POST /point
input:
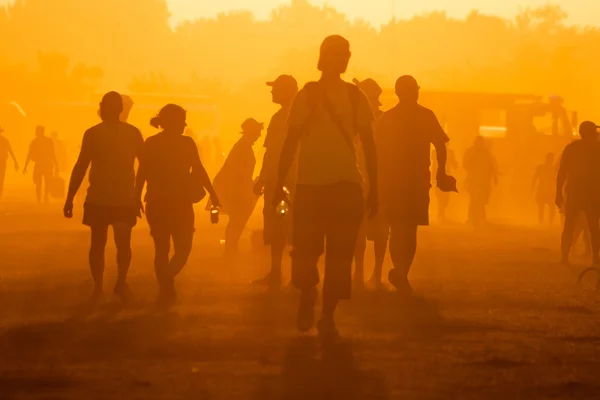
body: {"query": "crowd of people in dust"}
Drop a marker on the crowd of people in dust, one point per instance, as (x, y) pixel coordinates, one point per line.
(345, 171)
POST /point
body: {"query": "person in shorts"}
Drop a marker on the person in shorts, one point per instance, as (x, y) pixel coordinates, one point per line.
(404, 136)
(109, 150)
(276, 227)
(170, 162)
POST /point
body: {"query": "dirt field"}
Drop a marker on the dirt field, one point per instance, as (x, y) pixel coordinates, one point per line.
(494, 318)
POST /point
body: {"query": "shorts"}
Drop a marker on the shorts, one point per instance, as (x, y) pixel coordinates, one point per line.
(40, 174)
(408, 206)
(94, 215)
(170, 219)
(327, 219)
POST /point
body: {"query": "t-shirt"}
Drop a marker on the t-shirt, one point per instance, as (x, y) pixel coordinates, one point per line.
(276, 134)
(325, 156)
(41, 152)
(581, 162)
(167, 161)
(404, 136)
(4, 147)
(112, 148)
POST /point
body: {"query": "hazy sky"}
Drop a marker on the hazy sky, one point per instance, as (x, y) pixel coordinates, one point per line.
(378, 11)
(585, 12)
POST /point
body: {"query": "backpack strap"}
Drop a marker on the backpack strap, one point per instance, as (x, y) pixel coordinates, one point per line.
(316, 95)
(354, 96)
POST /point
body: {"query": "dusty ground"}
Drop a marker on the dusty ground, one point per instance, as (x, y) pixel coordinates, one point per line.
(495, 318)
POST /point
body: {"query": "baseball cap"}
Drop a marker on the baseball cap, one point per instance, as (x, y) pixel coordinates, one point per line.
(371, 88)
(287, 82)
(252, 124)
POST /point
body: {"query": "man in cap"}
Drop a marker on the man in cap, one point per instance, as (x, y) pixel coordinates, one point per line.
(283, 91)
(375, 229)
(404, 138)
(579, 170)
(328, 207)
(110, 148)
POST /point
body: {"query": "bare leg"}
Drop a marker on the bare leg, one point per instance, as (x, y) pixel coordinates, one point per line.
(380, 247)
(96, 257)
(122, 234)
(403, 247)
(593, 220)
(568, 234)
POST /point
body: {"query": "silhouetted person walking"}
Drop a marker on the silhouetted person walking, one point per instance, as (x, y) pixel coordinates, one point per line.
(235, 184)
(110, 150)
(544, 184)
(404, 137)
(578, 176)
(43, 155)
(443, 198)
(5, 152)
(482, 176)
(328, 207)
(276, 227)
(376, 228)
(171, 166)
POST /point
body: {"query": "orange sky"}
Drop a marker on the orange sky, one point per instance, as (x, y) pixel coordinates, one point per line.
(378, 11)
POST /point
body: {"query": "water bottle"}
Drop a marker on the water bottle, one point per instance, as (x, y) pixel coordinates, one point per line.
(214, 215)
(283, 208)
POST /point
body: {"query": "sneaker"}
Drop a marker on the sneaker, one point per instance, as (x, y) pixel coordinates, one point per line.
(96, 298)
(306, 310)
(167, 296)
(326, 328)
(122, 291)
(400, 282)
(375, 282)
(271, 281)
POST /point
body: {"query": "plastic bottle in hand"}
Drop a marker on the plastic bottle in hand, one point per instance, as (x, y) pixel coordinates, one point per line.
(283, 208)
(214, 215)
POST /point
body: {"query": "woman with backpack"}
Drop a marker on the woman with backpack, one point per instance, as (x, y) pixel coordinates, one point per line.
(176, 179)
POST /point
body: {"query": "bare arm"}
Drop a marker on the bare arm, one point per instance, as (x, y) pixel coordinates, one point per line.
(368, 145)
(80, 168)
(288, 152)
(140, 181)
(12, 155)
(199, 169)
(78, 174)
(442, 157)
(561, 179)
(27, 160)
